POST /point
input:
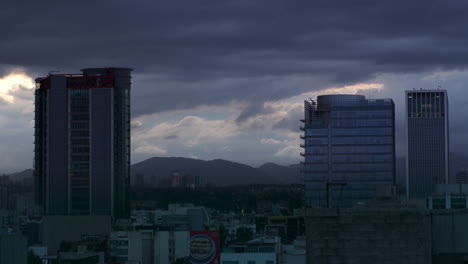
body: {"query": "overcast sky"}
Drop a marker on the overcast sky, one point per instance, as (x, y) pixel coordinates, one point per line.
(227, 79)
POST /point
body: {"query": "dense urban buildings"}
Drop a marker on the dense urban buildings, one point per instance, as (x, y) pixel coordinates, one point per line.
(349, 149)
(82, 143)
(427, 141)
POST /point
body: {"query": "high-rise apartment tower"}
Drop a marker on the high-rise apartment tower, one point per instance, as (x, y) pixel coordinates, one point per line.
(82, 143)
(349, 149)
(427, 141)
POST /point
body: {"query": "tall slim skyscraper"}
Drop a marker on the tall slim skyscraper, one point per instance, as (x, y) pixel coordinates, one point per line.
(349, 149)
(82, 143)
(427, 141)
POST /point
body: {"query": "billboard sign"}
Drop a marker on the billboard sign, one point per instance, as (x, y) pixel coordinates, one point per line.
(204, 247)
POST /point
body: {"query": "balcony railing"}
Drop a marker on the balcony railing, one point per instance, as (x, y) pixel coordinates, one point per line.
(78, 81)
(87, 82)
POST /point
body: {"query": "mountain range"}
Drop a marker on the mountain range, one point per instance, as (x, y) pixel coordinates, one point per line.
(220, 172)
(216, 172)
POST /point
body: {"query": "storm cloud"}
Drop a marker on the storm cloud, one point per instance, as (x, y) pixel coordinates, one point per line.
(240, 56)
(213, 52)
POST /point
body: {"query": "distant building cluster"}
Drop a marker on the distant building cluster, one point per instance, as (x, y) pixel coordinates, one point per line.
(176, 179)
(169, 234)
(78, 210)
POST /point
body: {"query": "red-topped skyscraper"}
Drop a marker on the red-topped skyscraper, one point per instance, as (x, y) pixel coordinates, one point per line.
(82, 143)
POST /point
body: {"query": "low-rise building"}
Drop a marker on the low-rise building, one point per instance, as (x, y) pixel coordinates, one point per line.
(72, 228)
(232, 228)
(447, 196)
(449, 236)
(81, 257)
(294, 253)
(171, 245)
(148, 246)
(13, 247)
(258, 251)
(126, 246)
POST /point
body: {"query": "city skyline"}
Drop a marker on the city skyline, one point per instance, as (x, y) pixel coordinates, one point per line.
(233, 132)
(227, 80)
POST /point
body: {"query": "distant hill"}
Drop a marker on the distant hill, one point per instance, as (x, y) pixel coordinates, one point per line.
(282, 174)
(20, 176)
(215, 172)
(223, 173)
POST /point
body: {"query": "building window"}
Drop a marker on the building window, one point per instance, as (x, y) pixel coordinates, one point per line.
(251, 262)
(251, 250)
(459, 203)
(438, 203)
(269, 262)
(266, 249)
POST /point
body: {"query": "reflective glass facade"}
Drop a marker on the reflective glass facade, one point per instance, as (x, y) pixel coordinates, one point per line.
(427, 141)
(349, 144)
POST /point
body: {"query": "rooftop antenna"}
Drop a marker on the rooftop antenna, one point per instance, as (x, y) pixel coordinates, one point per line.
(311, 99)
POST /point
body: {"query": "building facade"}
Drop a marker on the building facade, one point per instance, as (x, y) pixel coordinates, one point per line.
(369, 234)
(13, 247)
(262, 250)
(427, 141)
(462, 176)
(148, 246)
(349, 149)
(82, 143)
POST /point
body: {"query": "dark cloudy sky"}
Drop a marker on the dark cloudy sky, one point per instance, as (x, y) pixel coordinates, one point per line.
(226, 79)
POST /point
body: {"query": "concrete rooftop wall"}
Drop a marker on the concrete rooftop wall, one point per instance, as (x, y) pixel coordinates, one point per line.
(366, 235)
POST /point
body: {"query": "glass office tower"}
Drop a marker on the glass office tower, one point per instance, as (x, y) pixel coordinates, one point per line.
(82, 143)
(427, 141)
(349, 149)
